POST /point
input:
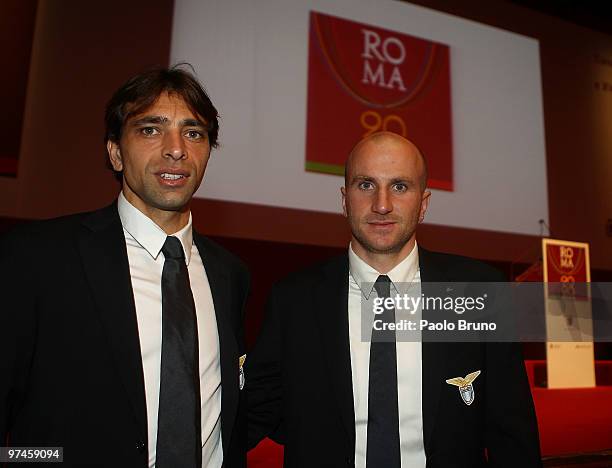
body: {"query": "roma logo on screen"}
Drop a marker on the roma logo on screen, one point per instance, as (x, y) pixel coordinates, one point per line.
(363, 79)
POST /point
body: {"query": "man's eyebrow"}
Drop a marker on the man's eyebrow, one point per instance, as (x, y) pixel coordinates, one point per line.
(193, 123)
(150, 119)
(160, 120)
(403, 180)
(363, 177)
(396, 180)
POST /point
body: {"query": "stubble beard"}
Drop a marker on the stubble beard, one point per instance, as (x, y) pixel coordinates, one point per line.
(169, 201)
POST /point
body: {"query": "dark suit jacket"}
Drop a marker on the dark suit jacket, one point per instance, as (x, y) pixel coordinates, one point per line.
(71, 368)
(299, 387)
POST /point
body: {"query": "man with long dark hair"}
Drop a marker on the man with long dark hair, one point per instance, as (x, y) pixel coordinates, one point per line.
(121, 330)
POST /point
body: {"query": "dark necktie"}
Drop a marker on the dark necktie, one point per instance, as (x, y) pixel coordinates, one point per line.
(383, 450)
(178, 425)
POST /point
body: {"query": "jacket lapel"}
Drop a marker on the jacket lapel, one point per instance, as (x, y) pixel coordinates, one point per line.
(331, 305)
(220, 287)
(105, 262)
(433, 354)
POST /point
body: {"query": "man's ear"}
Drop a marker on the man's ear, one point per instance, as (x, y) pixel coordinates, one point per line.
(343, 192)
(424, 205)
(114, 155)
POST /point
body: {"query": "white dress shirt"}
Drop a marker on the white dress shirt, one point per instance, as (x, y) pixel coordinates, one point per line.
(409, 373)
(144, 240)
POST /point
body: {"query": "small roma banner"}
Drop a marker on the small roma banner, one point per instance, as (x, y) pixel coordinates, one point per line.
(566, 261)
(363, 79)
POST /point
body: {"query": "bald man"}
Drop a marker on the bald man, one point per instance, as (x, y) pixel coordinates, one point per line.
(335, 399)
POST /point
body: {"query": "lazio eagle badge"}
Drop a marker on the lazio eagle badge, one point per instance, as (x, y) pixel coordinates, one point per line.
(241, 360)
(466, 389)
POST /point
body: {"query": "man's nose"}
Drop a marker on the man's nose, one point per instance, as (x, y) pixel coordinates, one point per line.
(174, 145)
(382, 202)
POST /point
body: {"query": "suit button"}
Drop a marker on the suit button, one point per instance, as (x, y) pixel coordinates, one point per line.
(140, 446)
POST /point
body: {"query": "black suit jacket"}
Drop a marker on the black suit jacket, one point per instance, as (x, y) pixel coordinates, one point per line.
(70, 361)
(299, 384)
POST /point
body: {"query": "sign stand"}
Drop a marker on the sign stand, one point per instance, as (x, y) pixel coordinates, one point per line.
(570, 357)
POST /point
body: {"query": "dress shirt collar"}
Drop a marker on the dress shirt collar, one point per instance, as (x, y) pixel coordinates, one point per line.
(362, 273)
(148, 234)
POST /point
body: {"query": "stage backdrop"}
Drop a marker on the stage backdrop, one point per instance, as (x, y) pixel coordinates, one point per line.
(297, 82)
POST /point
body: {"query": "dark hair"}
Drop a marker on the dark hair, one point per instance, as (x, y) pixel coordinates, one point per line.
(141, 91)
